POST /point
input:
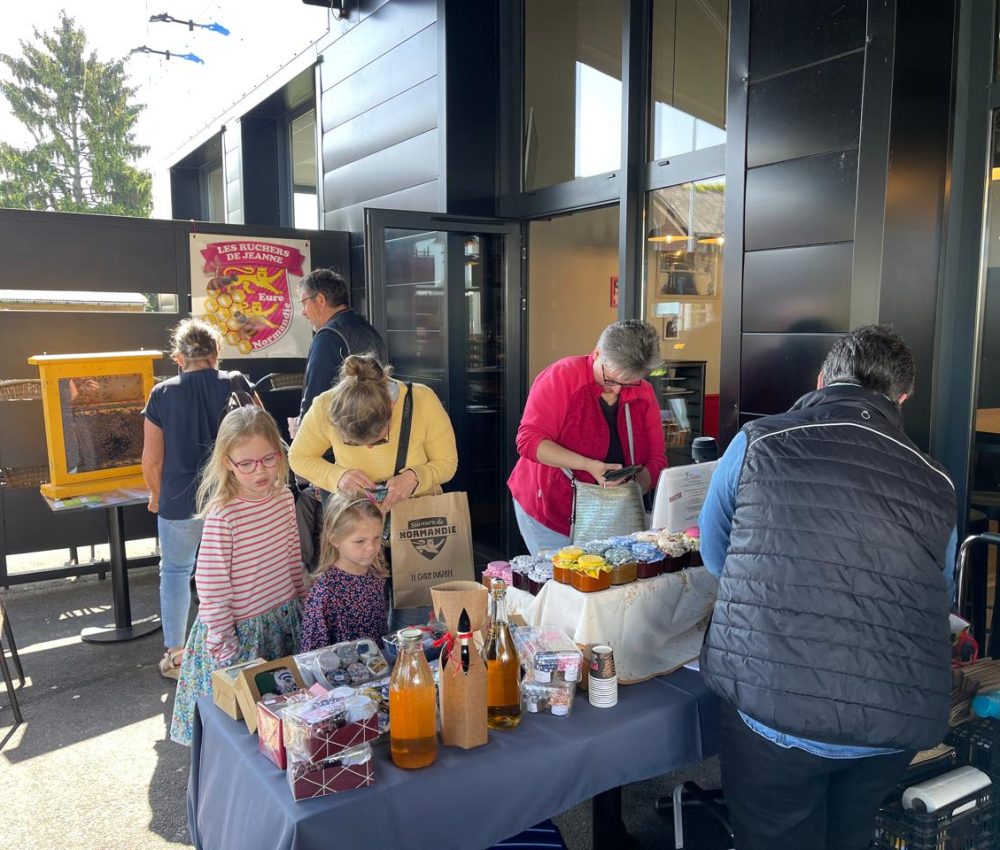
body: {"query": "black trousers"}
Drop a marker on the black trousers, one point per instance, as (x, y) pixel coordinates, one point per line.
(787, 799)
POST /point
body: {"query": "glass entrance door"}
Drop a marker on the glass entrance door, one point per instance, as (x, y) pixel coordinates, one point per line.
(445, 293)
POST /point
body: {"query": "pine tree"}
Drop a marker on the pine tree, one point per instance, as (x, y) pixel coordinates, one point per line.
(81, 115)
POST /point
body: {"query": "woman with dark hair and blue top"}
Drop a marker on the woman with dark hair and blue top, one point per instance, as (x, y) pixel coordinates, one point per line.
(181, 422)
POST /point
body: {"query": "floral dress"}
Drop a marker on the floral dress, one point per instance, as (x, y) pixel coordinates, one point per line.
(273, 634)
(343, 606)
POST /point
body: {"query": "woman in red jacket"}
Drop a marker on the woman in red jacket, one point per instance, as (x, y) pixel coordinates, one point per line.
(575, 418)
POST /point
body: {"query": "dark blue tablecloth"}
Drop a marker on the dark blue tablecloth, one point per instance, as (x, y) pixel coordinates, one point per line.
(238, 800)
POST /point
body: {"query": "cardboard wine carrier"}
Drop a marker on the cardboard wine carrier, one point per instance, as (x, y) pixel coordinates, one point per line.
(463, 694)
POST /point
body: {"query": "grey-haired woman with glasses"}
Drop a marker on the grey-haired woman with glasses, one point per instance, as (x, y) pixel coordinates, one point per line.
(577, 417)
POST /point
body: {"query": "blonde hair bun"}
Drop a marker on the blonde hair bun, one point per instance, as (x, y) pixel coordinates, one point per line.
(364, 367)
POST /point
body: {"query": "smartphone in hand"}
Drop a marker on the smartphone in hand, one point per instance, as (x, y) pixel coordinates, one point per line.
(623, 473)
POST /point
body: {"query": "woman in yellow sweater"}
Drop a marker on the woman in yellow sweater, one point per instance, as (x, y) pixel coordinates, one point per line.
(360, 419)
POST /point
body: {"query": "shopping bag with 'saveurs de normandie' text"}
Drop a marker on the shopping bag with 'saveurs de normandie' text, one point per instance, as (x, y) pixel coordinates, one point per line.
(430, 542)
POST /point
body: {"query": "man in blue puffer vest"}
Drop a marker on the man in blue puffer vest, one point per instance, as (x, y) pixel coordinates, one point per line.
(833, 538)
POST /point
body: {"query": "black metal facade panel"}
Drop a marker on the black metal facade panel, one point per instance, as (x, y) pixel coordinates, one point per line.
(423, 197)
(332, 251)
(777, 369)
(801, 202)
(261, 183)
(26, 333)
(45, 250)
(809, 111)
(401, 166)
(798, 290)
(916, 192)
(360, 45)
(787, 34)
(471, 45)
(402, 117)
(400, 68)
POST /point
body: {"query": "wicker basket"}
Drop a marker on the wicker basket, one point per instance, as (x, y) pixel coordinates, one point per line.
(21, 389)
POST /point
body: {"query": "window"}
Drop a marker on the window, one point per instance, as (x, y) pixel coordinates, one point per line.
(302, 147)
(572, 89)
(688, 87)
(214, 193)
(683, 285)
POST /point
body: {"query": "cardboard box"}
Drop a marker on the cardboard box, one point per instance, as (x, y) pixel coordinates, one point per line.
(271, 728)
(343, 772)
(280, 676)
(321, 728)
(224, 684)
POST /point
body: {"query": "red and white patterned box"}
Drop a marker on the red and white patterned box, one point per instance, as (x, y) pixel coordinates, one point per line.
(346, 771)
(270, 727)
(321, 728)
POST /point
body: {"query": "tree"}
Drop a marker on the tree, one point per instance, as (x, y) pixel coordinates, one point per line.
(81, 116)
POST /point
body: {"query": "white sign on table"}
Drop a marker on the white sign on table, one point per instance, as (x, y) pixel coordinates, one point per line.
(680, 493)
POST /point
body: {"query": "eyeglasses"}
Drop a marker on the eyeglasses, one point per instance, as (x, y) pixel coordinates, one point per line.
(249, 467)
(302, 301)
(609, 383)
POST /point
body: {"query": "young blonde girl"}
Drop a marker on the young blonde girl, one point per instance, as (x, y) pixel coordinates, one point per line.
(347, 597)
(249, 577)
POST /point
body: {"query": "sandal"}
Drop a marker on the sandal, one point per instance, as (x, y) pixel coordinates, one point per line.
(170, 663)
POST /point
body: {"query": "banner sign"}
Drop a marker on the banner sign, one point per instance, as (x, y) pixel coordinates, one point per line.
(248, 288)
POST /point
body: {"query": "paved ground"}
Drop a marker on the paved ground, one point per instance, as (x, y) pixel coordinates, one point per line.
(92, 768)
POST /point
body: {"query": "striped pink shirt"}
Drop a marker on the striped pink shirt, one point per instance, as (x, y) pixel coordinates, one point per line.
(249, 563)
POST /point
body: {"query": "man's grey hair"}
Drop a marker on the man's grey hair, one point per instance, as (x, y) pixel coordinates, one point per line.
(327, 283)
(631, 348)
(874, 356)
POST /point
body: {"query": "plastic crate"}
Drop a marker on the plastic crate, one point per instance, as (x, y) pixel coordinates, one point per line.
(977, 742)
(967, 824)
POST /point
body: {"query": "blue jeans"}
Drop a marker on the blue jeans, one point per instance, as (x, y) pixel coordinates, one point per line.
(535, 535)
(179, 539)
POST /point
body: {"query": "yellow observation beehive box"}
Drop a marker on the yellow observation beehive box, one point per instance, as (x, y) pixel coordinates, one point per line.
(93, 419)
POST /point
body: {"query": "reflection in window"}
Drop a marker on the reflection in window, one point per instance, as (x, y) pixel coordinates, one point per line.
(598, 109)
(305, 208)
(683, 286)
(572, 89)
(215, 194)
(986, 448)
(690, 42)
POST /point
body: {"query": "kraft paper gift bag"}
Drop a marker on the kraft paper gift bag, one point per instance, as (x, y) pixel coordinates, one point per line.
(463, 692)
(430, 542)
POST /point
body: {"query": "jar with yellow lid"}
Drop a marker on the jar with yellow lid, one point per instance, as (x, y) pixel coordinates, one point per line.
(592, 573)
(564, 562)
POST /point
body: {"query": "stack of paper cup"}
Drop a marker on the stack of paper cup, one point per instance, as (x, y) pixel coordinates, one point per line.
(603, 680)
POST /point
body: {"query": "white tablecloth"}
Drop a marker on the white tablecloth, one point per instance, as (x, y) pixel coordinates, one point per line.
(654, 625)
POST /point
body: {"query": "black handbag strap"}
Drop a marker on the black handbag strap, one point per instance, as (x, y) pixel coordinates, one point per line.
(404, 429)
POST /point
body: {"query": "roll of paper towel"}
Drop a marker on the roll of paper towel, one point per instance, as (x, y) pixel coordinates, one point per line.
(945, 789)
